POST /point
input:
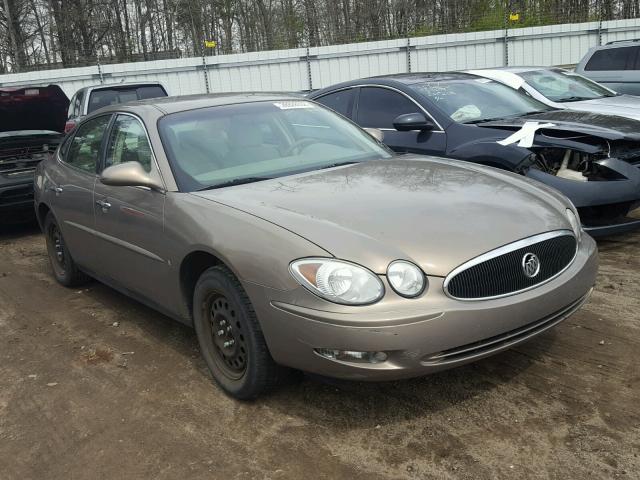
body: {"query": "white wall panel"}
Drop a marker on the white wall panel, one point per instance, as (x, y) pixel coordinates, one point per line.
(284, 70)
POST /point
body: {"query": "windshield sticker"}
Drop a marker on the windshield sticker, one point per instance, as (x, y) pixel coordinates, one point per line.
(291, 104)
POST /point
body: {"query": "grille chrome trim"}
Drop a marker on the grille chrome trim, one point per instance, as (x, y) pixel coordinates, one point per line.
(525, 242)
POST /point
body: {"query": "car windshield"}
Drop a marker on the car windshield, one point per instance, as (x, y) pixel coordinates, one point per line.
(563, 86)
(227, 145)
(475, 100)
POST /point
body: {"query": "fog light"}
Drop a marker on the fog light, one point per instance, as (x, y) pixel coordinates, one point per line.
(351, 355)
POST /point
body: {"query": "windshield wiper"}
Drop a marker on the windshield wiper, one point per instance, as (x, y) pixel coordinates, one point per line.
(339, 164)
(574, 99)
(235, 181)
(483, 120)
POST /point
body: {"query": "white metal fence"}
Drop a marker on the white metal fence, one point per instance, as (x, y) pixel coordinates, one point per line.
(305, 69)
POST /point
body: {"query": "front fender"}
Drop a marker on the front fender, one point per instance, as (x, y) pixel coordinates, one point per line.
(489, 152)
(588, 194)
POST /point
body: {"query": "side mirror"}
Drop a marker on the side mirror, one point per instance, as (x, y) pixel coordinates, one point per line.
(412, 121)
(129, 174)
(375, 133)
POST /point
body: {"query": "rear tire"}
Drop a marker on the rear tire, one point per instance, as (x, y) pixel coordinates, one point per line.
(230, 337)
(64, 268)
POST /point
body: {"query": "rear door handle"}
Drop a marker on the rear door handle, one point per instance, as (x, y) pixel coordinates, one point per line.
(56, 190)
(104, 205)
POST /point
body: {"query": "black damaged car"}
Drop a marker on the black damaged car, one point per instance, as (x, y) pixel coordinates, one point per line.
(31, 124)
(593, 159)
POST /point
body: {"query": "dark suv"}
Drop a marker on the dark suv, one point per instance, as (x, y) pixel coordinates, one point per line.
(32, 120)
(89, 99)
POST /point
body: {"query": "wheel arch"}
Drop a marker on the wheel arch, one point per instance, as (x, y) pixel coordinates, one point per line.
(41, 213)
(192, 267)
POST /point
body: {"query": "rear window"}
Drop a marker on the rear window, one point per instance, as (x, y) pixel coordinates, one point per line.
(623, 58)
(112, 96)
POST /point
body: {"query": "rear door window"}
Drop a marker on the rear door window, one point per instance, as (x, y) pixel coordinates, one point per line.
(84, 148)
(379, 107)
(340, 101)
(623, 58)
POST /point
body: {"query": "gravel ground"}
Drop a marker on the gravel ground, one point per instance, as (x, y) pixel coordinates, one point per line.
(94, 385)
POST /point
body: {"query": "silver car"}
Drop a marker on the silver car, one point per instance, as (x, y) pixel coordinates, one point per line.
(559, 88)
(613, 65)
(292, 239)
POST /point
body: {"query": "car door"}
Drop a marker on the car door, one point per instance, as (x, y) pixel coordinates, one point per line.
(70, 183)
(129, 220)
(378, 107)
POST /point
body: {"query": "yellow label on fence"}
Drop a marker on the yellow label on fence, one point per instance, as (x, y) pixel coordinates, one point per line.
(514, 17)
(210, 43)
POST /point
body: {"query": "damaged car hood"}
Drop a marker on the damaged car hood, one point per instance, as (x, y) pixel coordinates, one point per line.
(568, 123)
(33, 108)
(438, 213)
(622, 105)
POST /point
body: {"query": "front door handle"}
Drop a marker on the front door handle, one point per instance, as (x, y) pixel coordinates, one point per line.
(56, 190)
(104, 205)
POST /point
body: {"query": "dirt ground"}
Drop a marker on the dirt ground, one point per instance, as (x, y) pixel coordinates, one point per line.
(96, 386)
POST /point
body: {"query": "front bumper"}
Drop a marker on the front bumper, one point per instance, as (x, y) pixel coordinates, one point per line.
(420, 336)
(604, 206)
(16, 198)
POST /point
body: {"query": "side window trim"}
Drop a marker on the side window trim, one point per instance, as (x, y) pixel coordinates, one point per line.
(100, 151)
(387, 87)
(103, 150)
(80, 103)
(155, 164)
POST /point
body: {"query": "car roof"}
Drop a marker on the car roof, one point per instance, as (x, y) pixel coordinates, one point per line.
(516, 70)
(397, 80)
(420, 77)
(169, 105)
(619, 43)
(106, 86)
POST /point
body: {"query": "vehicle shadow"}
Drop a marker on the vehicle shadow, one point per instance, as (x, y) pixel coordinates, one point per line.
(12, 231)
(343, 404)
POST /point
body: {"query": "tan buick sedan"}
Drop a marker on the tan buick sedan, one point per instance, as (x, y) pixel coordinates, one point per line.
(292, 239)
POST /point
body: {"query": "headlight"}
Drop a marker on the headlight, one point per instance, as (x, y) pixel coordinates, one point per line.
(338, 281)
(406, 278)
(574, 220)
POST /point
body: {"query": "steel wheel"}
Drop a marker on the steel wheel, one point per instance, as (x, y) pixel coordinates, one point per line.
(64, 267)
(57, 249)
(230, 337)
(227, 336)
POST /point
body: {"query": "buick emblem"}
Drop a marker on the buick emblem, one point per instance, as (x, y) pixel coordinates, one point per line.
(530, 265)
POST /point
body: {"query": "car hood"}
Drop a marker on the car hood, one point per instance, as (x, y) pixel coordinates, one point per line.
(568, 122)
(621, 105)
(33, 108)
(438, 213)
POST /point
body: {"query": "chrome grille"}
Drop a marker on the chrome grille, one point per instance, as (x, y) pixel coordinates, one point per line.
(500, 272)
(24, 154)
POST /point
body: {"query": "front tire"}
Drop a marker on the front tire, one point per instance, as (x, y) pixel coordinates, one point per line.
(64, 268)
(230, 337)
